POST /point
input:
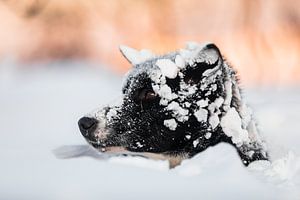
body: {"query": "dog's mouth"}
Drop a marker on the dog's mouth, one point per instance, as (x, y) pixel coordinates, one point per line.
(173, 160)
(114, 149)
(106, 145)
(111, 147)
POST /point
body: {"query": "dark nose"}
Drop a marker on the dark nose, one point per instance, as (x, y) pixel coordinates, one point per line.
(87, 126)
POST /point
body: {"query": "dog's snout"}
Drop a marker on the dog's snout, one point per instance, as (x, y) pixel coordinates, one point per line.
(87, 125)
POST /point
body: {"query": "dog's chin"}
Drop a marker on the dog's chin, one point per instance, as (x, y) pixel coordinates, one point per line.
(173, 160)
(114, 150)
(104, 147)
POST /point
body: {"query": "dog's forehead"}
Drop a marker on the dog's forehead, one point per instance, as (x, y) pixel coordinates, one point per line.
(143, 71)
(170, 64)
(149, 66)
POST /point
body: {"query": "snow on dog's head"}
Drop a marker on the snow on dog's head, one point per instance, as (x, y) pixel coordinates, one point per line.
(175, 106)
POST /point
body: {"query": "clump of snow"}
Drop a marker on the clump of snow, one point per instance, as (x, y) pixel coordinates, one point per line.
(214, 87)
(201, 115)
(207, 135)
(214, 120)
(179, 62)
(208, 93)
(165, 92)
(202, 103)
(187, 104)
(134, 56)
(195, 143)
(186, 90)
(168, 68)
(161, 88)
(245, 113)
(248, 123)
(214, 110)
(178, 112)
(232, 126)
(218, 102)
(171, 124)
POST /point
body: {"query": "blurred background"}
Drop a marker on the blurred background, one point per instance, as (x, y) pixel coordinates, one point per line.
(259, 37)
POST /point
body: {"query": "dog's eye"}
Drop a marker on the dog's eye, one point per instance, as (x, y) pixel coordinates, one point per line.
(149, 95)
(145, 96)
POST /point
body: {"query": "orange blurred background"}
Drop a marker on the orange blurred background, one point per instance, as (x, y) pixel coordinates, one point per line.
(261, 38)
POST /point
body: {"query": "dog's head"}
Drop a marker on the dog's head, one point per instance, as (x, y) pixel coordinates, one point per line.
(171, 105)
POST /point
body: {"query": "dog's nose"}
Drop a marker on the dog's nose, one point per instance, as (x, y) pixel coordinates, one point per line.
(87, 125)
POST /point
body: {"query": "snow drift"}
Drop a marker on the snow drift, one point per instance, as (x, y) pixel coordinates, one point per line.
(39, 112)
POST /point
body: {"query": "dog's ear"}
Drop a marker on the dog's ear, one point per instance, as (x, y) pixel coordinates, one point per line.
(135, 56)
(209, 58)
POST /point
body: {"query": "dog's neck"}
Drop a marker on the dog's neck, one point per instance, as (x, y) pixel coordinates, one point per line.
(236, 124)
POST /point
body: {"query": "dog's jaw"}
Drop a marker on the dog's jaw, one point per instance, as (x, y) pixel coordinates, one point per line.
(173, 160)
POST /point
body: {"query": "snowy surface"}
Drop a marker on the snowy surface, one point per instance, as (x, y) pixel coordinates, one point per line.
(39, 109)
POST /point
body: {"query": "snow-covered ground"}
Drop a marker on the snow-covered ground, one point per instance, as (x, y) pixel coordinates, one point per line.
(39, 109)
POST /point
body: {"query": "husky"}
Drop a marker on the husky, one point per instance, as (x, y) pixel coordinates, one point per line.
(175, 106)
